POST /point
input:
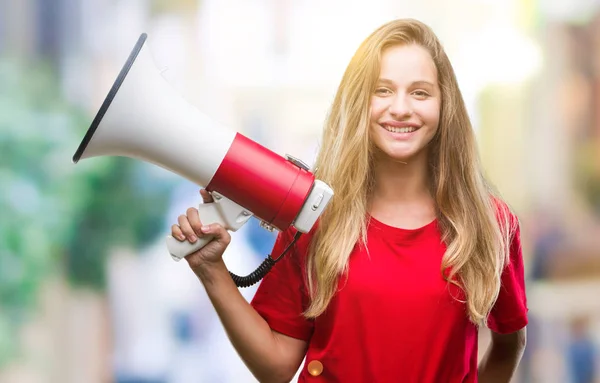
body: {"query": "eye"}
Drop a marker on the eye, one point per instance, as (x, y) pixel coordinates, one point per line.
(383, 91)
(421, 94)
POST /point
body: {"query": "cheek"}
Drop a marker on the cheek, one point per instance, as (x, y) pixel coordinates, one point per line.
(432, 116)
(377, 108)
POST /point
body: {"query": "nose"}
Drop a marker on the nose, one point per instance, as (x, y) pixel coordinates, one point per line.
(400, 106)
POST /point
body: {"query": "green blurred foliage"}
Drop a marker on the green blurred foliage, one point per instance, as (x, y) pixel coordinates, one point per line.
(34, 132)
(117, 206)
(57, 217)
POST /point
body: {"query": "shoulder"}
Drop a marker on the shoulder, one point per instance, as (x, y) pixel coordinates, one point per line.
(507, 218)
(510, 231)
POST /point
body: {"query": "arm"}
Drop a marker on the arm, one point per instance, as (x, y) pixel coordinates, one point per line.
(502, 358)
(508, 319)
(269, 355)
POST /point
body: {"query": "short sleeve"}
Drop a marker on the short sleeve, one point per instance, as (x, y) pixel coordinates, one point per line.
(281, 297)
(509, 313)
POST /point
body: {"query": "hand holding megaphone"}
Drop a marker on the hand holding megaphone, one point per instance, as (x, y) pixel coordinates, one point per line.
(212, 239)
(143, 117)
(215, 209)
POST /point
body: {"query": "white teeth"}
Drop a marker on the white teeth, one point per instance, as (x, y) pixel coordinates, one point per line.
(400, 130)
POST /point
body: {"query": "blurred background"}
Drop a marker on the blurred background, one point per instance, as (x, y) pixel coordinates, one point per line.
(88, 292)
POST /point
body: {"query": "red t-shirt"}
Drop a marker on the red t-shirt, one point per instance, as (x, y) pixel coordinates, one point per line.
(394, 318)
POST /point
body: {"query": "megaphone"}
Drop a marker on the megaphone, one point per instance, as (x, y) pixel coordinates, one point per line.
(144, 118)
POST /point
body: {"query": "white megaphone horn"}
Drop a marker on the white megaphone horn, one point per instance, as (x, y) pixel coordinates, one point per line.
(143, 117)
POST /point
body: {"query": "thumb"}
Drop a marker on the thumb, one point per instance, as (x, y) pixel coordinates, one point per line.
(206, 197)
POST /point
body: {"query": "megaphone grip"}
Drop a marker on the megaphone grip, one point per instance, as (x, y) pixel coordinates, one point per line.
(222, 211)
(179, 249)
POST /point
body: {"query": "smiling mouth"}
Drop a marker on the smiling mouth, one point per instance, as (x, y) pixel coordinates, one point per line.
(392, 129)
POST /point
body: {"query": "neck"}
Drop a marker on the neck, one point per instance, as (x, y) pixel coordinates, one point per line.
(401, 192)
(397, 181)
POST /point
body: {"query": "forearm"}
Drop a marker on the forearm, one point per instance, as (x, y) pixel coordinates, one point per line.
(248, 332)
(499, 363)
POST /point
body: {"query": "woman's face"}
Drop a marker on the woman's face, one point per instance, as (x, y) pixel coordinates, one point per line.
(405, 107)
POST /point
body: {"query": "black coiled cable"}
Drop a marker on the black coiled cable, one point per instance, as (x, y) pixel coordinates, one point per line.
(262, 270)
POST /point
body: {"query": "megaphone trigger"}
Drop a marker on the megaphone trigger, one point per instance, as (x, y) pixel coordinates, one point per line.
(223, 211)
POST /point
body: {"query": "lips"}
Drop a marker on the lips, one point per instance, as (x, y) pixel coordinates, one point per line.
(399, 130)
(397, 127)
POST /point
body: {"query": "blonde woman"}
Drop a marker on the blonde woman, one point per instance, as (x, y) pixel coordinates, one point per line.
(412, 256)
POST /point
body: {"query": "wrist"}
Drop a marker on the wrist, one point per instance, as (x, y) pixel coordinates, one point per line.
(211, 272)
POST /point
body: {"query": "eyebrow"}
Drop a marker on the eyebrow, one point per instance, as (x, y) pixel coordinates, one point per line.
(414, 83)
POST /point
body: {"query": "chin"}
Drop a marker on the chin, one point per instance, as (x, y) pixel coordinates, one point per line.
(404, 153)
(395, 157)
(400, 155)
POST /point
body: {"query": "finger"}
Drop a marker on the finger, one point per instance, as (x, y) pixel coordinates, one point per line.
(186, 228)
(177, 233)
(206, 197)
(194, 220)
(218, 231)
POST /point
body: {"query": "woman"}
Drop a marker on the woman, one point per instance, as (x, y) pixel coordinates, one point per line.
(413, 253)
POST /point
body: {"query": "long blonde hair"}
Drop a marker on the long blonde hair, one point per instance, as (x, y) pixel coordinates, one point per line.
(474, 226)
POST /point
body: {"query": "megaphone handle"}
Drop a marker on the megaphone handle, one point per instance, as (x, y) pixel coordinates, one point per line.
(222, 211)
(179, 249)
